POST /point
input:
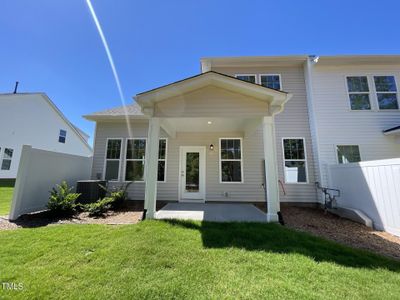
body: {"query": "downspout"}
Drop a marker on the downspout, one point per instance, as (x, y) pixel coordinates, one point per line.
(308, 78)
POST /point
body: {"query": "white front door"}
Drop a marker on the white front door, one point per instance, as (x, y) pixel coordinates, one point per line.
(192, 173)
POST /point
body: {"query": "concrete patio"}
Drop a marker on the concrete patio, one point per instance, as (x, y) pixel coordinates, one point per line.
(216, 212)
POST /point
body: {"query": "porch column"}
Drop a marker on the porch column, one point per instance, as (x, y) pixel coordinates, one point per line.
(151, 167)
(271, 169)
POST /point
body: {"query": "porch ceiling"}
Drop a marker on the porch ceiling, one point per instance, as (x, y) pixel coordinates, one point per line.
(211, 124)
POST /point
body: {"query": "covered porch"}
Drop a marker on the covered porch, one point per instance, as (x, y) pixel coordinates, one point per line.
(211, 103)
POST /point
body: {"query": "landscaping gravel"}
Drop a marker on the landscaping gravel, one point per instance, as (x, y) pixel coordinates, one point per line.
(332, 227)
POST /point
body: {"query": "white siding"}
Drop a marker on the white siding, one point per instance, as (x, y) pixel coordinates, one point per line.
(250, 190)
(29, 119)
(338, 125)
(292, 122)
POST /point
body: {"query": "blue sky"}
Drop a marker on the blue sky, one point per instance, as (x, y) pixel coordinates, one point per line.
(53, 46)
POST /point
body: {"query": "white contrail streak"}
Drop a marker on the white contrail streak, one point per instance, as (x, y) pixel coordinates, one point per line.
(105, 44)
(110, 59)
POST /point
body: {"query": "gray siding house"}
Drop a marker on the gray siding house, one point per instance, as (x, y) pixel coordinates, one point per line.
(245, 129)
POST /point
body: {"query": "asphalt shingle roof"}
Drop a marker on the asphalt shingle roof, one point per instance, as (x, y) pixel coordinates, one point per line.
(131, 109)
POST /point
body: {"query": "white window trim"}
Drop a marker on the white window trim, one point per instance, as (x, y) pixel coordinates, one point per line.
(279, 75)
(366, 93)
(241, 160)
(244, 74)
(2, 154)
(65, 137)
(125, 160)
(305, 159)
(144, 172)
(165, 159)
(346, 144)
(373, 98)
(375, 92)
(114, 159)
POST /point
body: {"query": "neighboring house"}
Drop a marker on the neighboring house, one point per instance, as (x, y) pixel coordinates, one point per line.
(33, 119)
(246, 121)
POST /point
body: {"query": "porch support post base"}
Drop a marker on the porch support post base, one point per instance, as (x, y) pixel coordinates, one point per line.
(151, 167)
(271, 169)
(272, 218)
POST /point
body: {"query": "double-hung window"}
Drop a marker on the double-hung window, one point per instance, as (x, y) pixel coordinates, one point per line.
(231, 160)
(272, 81)
(135, 159)
(62, 136)
(113, 158)
(358, 89)
(247, 77)
(7, 157)
(294, 156)
(348, 153)
(386, 92)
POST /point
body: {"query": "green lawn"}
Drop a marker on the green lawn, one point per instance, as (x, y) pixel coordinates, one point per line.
(185, 260)
(6, 192)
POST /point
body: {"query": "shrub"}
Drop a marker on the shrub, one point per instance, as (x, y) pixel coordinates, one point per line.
(100, 207)
(118, 194)
(62, 202)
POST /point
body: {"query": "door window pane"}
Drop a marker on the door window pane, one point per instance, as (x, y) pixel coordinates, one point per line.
(192, 171)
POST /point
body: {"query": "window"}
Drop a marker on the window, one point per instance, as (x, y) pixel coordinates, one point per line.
(162, 158)
(386, 92)
(294, 156)
(272, 81)
(62, 136)
(7, 156)
(358, 89)
(348, 154)
(113, 156)
(247, 77)
(136, 158)
(231, 160)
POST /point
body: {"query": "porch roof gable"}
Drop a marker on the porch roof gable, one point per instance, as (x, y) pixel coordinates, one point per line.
(271, 96)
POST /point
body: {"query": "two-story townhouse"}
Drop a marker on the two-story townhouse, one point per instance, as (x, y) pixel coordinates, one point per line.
(246, 129)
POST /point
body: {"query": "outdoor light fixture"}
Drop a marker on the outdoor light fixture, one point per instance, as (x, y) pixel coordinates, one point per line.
(209, 122)
(211, 147)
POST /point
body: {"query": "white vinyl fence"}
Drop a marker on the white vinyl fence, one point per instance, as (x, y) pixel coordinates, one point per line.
(372, 187)
(38, 172)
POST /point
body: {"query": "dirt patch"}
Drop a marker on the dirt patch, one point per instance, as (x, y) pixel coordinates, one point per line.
(344, 231)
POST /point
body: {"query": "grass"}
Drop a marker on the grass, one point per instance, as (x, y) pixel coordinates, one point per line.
(6, 192)
(188, 260)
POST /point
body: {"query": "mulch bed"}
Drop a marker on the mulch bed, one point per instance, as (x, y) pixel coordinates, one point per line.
(124, 216)
(131, 214)
(332, 227)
